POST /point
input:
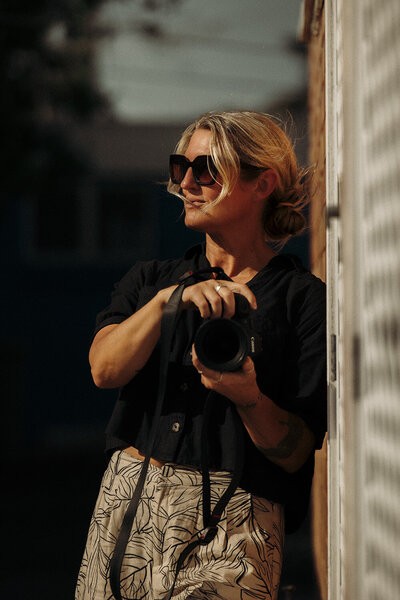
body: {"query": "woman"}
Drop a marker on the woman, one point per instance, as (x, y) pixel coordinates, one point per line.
(238, 178)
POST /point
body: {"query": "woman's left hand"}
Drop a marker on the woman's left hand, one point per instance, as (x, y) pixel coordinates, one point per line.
(238, 386)
(280, 436)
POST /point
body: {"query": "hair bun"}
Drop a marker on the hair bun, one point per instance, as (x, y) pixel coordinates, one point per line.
(284, 221)
(283, 216)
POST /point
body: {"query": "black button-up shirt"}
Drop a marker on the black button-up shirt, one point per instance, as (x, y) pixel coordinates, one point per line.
(291, 370)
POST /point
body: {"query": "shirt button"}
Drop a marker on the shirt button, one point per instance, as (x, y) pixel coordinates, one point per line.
(184, 387)
(176, 427)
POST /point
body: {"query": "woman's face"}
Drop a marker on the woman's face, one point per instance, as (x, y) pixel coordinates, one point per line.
(232, 210)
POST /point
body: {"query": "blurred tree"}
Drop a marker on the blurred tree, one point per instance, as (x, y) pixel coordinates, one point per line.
(48, 80)
(46, 69)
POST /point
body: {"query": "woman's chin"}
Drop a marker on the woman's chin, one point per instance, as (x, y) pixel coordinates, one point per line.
(194, 219)
(191, 224)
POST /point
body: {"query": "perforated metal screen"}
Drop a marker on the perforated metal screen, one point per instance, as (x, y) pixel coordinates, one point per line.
(363, 150)
(380, 277)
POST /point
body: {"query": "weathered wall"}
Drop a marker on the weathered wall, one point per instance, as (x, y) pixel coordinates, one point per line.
(316, 102)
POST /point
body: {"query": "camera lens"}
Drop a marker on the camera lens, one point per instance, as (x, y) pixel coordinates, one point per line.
(221, 344)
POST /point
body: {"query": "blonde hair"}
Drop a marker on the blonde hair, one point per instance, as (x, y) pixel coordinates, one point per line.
(243, 144)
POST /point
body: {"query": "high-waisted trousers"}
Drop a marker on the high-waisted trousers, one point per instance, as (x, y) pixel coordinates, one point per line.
(242, 562)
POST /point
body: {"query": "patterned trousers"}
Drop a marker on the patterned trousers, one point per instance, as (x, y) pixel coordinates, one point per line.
(243, 561)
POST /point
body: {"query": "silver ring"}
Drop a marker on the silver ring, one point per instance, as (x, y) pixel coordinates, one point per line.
(201, 372)
(218, 287)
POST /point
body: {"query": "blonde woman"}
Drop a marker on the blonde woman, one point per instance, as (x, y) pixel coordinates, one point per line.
(233, 454)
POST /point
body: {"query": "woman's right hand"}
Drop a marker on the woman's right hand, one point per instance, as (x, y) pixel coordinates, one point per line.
(118, 352)
(215, 298)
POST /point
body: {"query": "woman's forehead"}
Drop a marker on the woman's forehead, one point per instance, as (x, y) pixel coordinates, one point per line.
(199, 143)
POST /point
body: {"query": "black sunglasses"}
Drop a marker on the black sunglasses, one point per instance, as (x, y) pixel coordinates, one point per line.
(203, 167)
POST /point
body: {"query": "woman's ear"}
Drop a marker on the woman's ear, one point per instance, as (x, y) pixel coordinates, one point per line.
(266, 183)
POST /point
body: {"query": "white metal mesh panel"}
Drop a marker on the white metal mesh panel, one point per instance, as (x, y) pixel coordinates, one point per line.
(363, 154)
(380, 279)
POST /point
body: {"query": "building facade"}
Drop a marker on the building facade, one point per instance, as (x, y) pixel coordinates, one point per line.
(354, 53)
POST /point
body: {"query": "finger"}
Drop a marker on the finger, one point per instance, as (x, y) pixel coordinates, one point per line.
(204, 297)
(215, 302)
(228, 306)
(200, 368)
(193, 296)
(248, 294)
(195, 360)
(207, 374)
(238, 289)
(248, 365)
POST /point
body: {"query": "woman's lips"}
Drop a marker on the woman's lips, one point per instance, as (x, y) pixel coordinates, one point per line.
(194, 203)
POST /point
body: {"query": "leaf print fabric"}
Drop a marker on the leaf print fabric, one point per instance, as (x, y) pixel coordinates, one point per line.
(243, 562)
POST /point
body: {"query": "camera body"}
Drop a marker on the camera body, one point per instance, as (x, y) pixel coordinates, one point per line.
(223, 344)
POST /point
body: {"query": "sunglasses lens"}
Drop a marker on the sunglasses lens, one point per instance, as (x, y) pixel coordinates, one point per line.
(177, 168)
(203, 168)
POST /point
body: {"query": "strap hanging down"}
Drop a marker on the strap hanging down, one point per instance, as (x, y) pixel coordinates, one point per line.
(211, 519)
(168, 323)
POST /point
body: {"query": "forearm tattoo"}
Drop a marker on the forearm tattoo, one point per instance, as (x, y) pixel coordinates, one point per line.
(290, 442)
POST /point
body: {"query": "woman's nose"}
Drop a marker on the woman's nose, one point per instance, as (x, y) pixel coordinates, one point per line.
(188, 181)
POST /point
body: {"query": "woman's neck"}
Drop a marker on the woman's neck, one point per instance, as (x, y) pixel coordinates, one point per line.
(240, 259)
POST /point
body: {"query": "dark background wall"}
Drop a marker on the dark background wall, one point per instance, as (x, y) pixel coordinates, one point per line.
(53, 416)
(93, 205)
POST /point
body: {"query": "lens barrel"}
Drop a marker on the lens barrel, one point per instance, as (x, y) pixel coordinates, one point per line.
(222, 344)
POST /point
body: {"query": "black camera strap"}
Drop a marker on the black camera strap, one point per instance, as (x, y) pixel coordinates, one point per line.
(211, 519)
(168, 324)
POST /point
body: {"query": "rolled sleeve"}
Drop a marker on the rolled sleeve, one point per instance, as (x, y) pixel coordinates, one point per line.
(304, 384)
(124, 299)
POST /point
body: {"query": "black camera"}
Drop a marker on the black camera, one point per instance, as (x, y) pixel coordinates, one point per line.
(223, 344)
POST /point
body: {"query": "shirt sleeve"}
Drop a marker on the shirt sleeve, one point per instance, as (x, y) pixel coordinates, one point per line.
(304, 383)
(124, 299)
